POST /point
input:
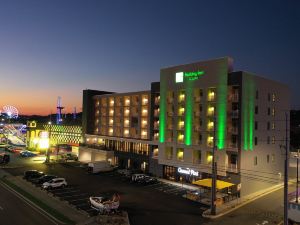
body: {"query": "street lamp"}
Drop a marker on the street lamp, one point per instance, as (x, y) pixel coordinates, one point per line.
(48, 149)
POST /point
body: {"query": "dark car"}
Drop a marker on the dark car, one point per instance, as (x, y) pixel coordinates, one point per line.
(44, 179)
(27, 154)
(145, 180)
(70, 156)
(33, 174)
(4, 158)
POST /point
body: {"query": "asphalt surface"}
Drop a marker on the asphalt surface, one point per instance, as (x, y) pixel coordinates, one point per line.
(15, 211)
(146, 205)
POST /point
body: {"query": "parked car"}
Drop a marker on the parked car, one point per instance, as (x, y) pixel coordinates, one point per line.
(70, 156)
(33, 174)
(44, 179)
(55, 183)
(137, 176)
(27, 154)
(147, 180)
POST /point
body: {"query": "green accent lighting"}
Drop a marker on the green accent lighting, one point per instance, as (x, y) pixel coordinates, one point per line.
(189, 111)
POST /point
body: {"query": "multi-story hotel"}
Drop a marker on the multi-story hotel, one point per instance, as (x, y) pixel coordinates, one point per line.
(171, 129)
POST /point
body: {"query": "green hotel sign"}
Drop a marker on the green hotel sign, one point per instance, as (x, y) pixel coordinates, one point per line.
(194, 75)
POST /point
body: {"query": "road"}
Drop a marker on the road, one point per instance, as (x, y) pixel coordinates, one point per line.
(15, 211)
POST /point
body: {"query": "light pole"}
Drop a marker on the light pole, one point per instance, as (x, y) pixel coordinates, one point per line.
(297, 195)
(214, 174)
(48, 149)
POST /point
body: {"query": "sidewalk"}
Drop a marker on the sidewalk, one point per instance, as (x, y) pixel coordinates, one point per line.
(181, 185)
(237, 203)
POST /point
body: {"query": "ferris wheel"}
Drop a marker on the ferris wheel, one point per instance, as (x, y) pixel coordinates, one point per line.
(10, 111)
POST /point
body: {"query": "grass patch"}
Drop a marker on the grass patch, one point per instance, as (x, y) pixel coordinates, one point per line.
(38, 202)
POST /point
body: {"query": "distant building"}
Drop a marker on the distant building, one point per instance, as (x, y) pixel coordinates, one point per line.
(169, 130)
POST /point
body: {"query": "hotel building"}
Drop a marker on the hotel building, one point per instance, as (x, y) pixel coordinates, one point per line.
(170, 130)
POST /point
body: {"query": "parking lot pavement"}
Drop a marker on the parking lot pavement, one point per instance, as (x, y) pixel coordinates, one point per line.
(158, 204)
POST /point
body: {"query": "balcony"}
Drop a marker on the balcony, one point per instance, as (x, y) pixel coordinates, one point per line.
(232, 168)
(234, 97)
(197, 99)
(234, 114)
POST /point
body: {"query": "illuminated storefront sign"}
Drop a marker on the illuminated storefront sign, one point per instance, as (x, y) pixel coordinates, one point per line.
(193, 75)
(188, 171)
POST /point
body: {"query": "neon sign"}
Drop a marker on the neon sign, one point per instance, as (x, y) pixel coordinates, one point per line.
(193, 75)
(188, 171)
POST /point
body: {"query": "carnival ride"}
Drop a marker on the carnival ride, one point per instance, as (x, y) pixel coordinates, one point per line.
(105, 206)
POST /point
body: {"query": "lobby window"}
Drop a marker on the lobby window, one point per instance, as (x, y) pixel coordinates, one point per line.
(209, 157)
(256, 109)
(268, 125)
(255, 141)
(197, 156)
(179, 154)
(273, 97)
(255, 160)
(169, 153)
(268, 158)
(255, 125)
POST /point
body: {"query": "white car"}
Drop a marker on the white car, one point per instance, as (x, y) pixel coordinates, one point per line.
(137, 176)
(55, 183)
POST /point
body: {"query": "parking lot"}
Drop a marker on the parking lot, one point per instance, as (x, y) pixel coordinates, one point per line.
(158, 203)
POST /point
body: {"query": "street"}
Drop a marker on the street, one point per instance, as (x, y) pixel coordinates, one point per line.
(16, 211)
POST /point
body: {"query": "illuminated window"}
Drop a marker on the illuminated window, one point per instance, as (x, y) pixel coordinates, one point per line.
(180, 137)
(180, 124)
(211, 95)
(210, 111)
(273, 111)
(111, 102)
(111, 112)
(210, 125)
(209, 157)
(273, 97)
(111, 121)
(145, 100)
(179, 77)
(179, 154)
(126, 132)
(273, 125)
(210, 140)
(126, 112)
(155, 153)
(181, 111)
(111, 131)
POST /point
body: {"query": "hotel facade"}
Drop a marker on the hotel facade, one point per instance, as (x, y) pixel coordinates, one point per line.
(171, 129)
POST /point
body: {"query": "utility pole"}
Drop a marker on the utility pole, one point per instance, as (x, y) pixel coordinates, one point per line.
(213, 174)
(286, 165)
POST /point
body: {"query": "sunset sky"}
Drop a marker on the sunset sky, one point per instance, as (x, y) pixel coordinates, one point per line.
(59, 47)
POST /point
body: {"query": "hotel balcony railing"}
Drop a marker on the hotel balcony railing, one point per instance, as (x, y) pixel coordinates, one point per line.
(170, 113)
(156, 101)
(156, 126)
(197, 113)
(170, 127)
(170, 100)
(170, 139)
(234, 114)
(180, 127)
(233, 97)
(233, 130)
(197, 142)
(232, 145)
(197, 128)
(233, 168)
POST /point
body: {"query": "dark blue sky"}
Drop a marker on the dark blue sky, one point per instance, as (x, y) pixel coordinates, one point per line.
(57, 47)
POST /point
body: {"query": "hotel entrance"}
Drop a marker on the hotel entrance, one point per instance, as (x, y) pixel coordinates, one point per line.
(180, 174)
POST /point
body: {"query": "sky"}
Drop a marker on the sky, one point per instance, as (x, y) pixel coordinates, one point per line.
(61, 47)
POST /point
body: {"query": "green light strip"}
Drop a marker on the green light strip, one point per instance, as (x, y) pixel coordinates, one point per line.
(162, 111)
(221, 110)
(248, 112)
(189, 112)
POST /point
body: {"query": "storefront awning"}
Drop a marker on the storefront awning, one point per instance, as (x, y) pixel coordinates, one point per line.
(207, 183)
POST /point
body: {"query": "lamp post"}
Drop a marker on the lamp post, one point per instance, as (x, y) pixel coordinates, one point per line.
(297, 195)
(48, 149)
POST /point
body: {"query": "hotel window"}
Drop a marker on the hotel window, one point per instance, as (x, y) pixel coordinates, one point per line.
(273, 125)
(268, 140)
(179, 154)
(273, 111)
(256, 109)
(209, 157)
(155, 152)
(211, 94)
(273, 97)
(255, 160)
(256, 125)
(169, 153)
(269, 97)
(181, 96)
(269, 111)
(256, 94)
(268, 125)
(268, 158)
(196, 156)
(180, 137)
(273, 140)
(255, 141)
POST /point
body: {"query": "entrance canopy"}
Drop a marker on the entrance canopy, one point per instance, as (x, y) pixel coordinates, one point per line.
(208, 182)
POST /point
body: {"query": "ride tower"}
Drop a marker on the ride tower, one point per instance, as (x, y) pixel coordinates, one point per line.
(58, 112)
